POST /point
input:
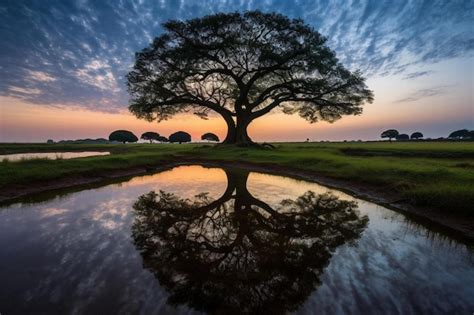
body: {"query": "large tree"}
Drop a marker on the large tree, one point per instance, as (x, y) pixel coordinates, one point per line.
(242, 66)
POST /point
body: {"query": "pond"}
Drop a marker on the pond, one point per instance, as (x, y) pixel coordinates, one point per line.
(210, 240)
(49, 155)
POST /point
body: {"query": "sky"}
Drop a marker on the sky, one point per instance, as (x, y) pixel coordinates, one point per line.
(63, 65)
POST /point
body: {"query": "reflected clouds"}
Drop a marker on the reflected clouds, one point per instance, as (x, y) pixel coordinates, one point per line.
(236, 253)
(76, 253)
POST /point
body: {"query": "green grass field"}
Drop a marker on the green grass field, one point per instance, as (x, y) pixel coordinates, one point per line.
(435, 174)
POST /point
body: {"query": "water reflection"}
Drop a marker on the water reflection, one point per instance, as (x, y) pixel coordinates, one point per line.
(238, 254)
(74, 254)
(49, 155)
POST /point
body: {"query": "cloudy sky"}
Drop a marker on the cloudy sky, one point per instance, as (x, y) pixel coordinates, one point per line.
(62, 65)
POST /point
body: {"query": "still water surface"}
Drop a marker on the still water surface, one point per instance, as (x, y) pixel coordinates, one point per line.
(49, 155)
(225, 241)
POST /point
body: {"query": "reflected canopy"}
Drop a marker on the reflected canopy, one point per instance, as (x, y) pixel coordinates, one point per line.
(238, 254)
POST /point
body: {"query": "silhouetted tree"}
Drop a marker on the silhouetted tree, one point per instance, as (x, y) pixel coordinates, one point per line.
(210, 137)
(150, 135)
(402, 136)
(390, 134)
(242, 66)
(50, 141)
(123, 136)
(471, 134)
(416, 135)
(463, 133)
(180, 137)
(237, 254)
(162, 139)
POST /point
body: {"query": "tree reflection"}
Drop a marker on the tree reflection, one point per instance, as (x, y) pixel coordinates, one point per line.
(237, 254)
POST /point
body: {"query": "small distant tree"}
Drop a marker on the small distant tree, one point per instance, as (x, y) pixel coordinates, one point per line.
(150, 136)
(390, 134)
(402, 136)
(459, 134)
(50, 141)
(416, 135)
(471, 134)
(123, 136)
(210, 137)
(180, 137)
(162, 139)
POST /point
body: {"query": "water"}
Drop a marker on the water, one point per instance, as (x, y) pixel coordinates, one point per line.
(49, 155)
(235, 247)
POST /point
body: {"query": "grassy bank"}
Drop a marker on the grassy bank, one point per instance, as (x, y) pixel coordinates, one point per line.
(435, 174)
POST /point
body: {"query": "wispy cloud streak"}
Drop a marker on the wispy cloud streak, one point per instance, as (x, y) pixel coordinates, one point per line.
(422, 93)
(78, 52)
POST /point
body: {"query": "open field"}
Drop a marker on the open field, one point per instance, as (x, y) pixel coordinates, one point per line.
(434, 174)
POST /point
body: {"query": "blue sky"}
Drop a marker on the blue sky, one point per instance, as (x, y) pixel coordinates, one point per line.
(76, 53)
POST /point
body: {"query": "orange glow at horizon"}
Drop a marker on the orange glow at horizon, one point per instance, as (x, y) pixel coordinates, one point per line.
(26, 122)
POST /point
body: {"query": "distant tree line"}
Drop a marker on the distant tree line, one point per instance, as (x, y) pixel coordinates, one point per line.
(462, 134)
(126, 136)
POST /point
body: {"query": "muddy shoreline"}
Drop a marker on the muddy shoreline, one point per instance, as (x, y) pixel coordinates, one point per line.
(460, 228)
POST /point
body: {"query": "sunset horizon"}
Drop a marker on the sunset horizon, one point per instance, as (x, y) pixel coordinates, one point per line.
(237, 157)
(63, 68)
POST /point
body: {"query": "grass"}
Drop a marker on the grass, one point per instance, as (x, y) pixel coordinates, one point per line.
(435, 174)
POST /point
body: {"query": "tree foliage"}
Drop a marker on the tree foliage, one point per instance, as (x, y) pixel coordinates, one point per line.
(162, 139)
(180, 137)
(123, 136)
(402, 136)
(416, 135)
(390, 134)
(241, 66)
(150, 136)
(210, 137)
(463, 133)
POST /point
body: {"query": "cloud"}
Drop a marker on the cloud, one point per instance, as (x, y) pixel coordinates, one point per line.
(97, 73)
(23, 91)
(417, 74)
(422, 93)
(79, 52)
(40, 76)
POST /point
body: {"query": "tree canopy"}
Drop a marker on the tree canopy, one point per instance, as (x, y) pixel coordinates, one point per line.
(390, 134)
(402, 136)
(162, 139)
(463, 133)
(180, 137)
(210, 137)
(123, 136)
(416, 135)
(238, 254)
(241, 66)
(150, 136)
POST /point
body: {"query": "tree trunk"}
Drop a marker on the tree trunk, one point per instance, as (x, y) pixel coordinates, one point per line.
(237, 132)
(241, 136)
(231, 131)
